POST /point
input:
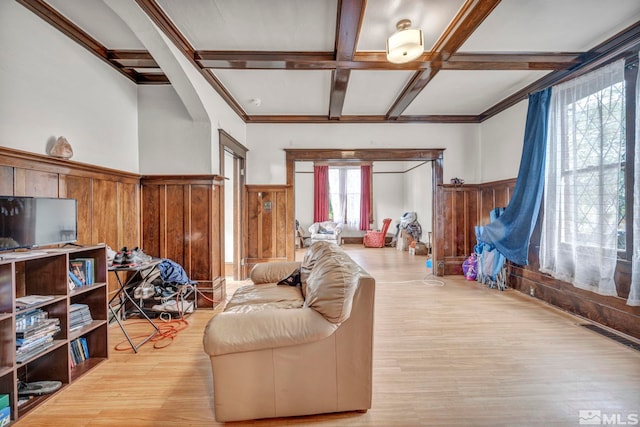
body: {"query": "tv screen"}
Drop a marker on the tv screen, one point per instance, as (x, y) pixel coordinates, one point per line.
(27, 222)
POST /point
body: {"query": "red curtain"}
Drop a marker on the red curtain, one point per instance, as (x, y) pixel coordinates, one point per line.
(320, 193)
(365, 196)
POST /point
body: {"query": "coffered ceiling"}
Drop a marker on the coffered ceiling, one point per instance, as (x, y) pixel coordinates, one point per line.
(301, 61)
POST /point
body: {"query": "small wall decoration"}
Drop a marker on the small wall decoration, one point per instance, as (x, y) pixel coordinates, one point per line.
(61, 148)
(266, 206)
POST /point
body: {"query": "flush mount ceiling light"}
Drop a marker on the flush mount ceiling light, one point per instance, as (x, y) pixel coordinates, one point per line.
(406, 44)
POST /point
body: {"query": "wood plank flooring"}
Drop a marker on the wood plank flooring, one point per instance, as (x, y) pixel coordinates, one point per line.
(445, 354)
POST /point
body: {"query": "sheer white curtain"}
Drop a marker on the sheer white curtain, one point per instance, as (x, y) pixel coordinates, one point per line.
(634, 294)
(585, 150)
(344, 192)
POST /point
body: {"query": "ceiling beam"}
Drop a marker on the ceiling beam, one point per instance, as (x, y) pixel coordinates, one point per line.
(350, 14)
(362, 154)
(511, 61)
(68, 28)
(132, 58)
(291, 119)
(261, 60)
(157, 15)
(468, 19)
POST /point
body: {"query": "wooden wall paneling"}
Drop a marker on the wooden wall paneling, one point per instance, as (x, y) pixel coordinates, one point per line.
(181, 221)
(6, 181)
(201, 233)
(106, 213)
(128, 214)
(460, 213)
(34, 183)
(217, 228)
(104, 210)
(254, 237)
(267, 225)
(79, 188)
(105, 220)
(177, 214)
(609, 311)
(152, 208)
(267, 219)
(282, 225)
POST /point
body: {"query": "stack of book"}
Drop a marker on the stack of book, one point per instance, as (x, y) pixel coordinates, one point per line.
(79, 351)
(34, 333)
(79, 316)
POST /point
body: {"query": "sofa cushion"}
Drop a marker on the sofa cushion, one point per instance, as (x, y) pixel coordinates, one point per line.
(271, 272)
(252, 297)
(331, 285)
(315, 252)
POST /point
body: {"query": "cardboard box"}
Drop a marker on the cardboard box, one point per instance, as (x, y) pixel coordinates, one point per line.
(4, 401)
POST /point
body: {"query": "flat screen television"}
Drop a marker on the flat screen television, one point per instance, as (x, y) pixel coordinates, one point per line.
(28, 222)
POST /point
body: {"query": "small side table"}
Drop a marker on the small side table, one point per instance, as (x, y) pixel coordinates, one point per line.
(124, 296)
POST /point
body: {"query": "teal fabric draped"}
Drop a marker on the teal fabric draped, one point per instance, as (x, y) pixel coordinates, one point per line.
(511, 232)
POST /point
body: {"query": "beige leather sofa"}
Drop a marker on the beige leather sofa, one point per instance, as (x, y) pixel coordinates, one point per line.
(280, 350)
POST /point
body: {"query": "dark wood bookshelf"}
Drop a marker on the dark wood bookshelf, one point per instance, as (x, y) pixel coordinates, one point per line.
(45, 272)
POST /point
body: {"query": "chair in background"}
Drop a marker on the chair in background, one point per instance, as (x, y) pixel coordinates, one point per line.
(375, 239)
(326, 231)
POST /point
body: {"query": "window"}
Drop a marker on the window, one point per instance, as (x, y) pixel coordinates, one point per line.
(584, 223)
(344, 195)
(593, 151)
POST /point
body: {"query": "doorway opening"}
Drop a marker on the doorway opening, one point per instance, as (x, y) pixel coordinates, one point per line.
(435, 156)
(232, 168)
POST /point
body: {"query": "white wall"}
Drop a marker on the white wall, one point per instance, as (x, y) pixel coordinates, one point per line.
(170, 141)
(266, 158)
(304, 194)
(229, 187)
(502, 138)
(51, 87)
(206, 108)
(388, 193)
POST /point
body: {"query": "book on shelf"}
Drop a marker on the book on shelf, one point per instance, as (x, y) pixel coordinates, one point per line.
(35, 333)
(83, 269)
(30, 317)
(31, 300)
(79, 351)
(79, 316)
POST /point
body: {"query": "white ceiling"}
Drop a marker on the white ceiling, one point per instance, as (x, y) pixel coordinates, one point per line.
(272, 26)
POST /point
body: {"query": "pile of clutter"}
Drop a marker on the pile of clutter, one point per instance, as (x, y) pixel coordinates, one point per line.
(165, 289)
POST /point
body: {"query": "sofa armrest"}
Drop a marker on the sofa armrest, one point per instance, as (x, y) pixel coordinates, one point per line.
(230, 332)
(272, 272)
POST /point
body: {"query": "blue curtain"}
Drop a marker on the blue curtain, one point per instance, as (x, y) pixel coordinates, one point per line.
(510, 232)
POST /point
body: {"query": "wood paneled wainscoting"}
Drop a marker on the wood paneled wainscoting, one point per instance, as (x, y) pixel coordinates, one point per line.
(606, 310)
(460, 209)
(108, 199)
(182, 221)
(269, 228)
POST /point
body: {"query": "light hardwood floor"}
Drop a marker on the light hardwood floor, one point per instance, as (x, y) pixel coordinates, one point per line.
(457, 354)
